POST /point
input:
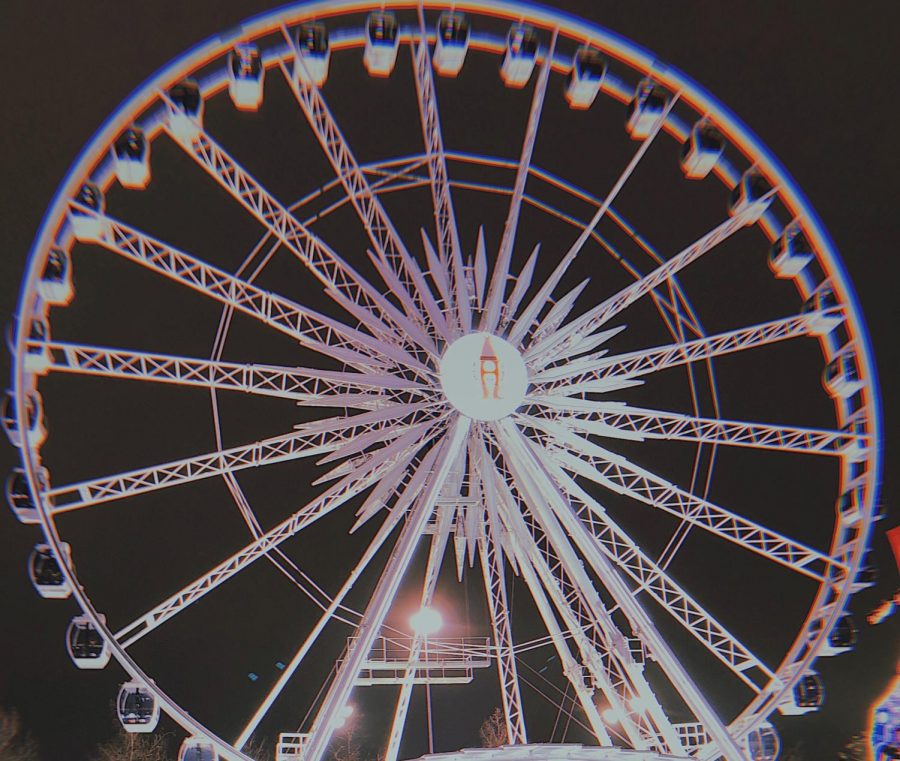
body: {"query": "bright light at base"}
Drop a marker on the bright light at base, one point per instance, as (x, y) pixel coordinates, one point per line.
(610, 716)
(426, 621)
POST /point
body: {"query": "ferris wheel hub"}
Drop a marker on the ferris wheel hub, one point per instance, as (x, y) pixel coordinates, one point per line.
(484, 376)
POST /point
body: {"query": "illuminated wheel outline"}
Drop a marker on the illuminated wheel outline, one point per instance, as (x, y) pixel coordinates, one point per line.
(823, 614)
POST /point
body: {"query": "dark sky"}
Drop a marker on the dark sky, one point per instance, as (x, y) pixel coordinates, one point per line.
(816, 81)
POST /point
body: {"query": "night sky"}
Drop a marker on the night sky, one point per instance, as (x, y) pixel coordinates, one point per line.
(815, 81)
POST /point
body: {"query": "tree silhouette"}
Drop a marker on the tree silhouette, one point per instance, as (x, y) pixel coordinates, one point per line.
(493, 732)
(14, 744)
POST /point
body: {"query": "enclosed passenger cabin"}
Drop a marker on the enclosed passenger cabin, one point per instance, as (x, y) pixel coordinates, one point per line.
(762, 743)
(137, 707)
(382, 41)
(823, 310)
(702, 150)
(841, 375)
(245, 77)
(790, 252)
(87, 647)
(185, 108)
(55, 284)
(37, 355)
(131, 158)
(19, 497)
(519, 57)
(842, 636)
(866, 576)
(452, 44)
(585, 77)
(645, 109)
(88, 227)
(45, 572)
(35, 433)
(313, 54)
(807, 696)
(197, 749)
(853, 445)
(847, 507)
(750, 197)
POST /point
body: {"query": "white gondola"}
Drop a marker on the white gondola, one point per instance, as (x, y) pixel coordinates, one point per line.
(37, 355)
(197, 749)
(185, 109)
(87, 226)
(645, 109)
(824, 311)
(762, 743)
(137, 707)
(701, 151)
(841, 375)
(452, 44)
(751, 196)
(519, 57)
(847, 507)
(790, 252)
(313, 54)
(87, 647)
(19, 497)
(382, 41)
(585, 77)
(35, 433)
(55, 284)
(807, 696)
(245, 77)
(131, 159)
(45, 573)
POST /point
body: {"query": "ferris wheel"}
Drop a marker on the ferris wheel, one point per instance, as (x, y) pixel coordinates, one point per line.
(493, 284)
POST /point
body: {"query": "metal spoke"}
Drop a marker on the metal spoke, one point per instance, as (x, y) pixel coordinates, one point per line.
(318, 438)
(541, 353)
(445, 220)
(384, 593)
(619, 420)
(524, 321)
(615, 472)
(497, 290)
(329, 500)
(299, 384)
(577, 378)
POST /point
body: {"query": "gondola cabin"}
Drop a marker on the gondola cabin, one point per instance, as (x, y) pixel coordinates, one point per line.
(519, 57)
(701, 151)
(37, 355)
(585, 77)
(790, 252)
(245, 77)
(807, 696)
(823, 310)
(382, 41)
(842, 636)
(452, 44)
(45, 573)
(750, 197)
(847, 507)
(131, 159)
(19, 497)
(866, 576)
(841, 375)
(87, 647)
(762, 743)
(88, 224)
(55, 284)
(137, 707)
(197, 749)
(313, 54)
(645, 109)
(35, 433)
(185, 110)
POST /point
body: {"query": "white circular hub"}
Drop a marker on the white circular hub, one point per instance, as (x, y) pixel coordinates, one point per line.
(483, 376)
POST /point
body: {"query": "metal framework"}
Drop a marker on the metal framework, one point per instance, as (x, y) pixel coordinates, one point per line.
(421, 436)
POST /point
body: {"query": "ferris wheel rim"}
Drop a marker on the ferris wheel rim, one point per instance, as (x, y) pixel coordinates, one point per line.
(80, 170)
